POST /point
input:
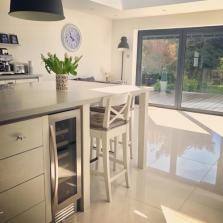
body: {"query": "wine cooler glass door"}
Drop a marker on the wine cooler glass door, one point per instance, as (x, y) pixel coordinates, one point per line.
(66, 150)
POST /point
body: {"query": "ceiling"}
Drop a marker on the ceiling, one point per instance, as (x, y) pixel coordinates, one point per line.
(133, 4)
(121, 9)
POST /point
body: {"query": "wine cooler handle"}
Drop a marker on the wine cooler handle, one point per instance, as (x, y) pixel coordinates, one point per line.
(54, 166)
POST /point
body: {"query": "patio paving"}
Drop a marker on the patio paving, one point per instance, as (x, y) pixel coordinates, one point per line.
(202, 101)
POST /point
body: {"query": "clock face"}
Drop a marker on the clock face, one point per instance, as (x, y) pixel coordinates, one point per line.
(71, 37)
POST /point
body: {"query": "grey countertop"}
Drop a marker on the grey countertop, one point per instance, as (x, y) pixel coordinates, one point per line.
(28, 100)
(18, 77)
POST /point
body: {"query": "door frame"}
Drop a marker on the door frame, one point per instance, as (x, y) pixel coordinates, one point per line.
(182, 32)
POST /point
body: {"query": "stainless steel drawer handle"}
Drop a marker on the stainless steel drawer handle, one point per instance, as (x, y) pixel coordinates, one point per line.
(20, 138)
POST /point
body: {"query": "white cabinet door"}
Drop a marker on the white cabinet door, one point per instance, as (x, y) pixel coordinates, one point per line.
(34, 215)
(19, 199)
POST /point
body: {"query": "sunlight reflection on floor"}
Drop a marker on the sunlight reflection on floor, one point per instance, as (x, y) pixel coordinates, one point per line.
(173, 119)
(172, 216)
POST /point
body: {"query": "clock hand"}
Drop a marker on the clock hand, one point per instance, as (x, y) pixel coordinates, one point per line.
(71, 37)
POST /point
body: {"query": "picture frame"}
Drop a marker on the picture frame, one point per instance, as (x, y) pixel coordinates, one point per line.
(4, 38)
(13, 39)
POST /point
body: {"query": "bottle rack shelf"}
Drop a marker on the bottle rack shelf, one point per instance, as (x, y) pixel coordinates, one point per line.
(6, 58)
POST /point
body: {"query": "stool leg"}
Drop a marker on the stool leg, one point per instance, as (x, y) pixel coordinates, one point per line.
(111, 142)
(130, 138)
(115, 153)
(105, 149)
(98, 149)
(92, 147)
(126, 159)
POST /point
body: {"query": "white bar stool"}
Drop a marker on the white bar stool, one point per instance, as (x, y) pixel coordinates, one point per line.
(109, 125)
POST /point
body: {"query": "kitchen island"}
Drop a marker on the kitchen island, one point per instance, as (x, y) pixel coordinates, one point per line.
(29, 105)
(30, 100)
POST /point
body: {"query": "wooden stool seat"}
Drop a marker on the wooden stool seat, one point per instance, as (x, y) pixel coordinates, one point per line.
(96, 122)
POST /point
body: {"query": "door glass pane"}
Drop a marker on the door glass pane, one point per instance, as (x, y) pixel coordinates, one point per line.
(159, 67)
(203, 71)
(67, 165)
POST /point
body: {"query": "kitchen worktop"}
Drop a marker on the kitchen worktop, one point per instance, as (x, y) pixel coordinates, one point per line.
(35, 99)
(29, 100)
(18, 77)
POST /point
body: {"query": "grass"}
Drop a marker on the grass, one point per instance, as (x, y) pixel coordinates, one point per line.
(215, 89)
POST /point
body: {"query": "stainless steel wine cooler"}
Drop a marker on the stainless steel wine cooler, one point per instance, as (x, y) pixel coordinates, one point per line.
(65, 156)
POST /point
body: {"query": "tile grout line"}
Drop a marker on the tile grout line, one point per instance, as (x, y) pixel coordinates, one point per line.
(209, 169)
(188, 197)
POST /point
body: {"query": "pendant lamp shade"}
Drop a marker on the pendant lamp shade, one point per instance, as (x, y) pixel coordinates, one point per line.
(37, 10)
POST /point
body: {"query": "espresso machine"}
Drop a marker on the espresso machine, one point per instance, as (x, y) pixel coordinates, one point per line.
(5, 59)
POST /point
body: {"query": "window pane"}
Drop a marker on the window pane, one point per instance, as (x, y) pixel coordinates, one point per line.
(203, 72)
(159, 67)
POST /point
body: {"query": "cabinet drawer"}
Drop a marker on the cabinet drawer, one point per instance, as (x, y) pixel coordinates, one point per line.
(20, 168)
(20, 136)
(21, 198)
(34, 215)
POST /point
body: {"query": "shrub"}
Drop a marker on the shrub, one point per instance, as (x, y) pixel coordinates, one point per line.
(170, 87)
(157, 86)
(190, 85)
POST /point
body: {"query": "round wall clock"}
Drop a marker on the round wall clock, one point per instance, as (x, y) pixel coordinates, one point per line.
(71, 37)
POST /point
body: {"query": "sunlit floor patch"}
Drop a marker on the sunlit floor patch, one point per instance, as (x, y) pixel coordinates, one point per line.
(139, 213)
(172, 216)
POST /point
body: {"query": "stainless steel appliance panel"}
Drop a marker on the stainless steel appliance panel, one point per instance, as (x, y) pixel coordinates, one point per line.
(65, 148)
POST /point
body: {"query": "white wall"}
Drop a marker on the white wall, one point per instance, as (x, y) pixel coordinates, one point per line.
(129, 28)
(42, 37)
(100, 37)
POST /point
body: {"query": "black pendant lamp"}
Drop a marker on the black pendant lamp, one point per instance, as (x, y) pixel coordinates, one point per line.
(37, 10)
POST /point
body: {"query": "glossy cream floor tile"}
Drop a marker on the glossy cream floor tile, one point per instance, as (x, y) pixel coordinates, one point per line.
(123, 208)
(146, 187)
(191, 170)
(126, 211)
(183, 181)
(204, 205)
(173, 216)
(184, 147)
(155, 190)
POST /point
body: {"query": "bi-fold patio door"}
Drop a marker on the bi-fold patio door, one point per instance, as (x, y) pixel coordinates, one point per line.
(184, 67)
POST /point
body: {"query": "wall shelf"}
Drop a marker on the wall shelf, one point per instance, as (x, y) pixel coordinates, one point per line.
(6, 57)
(9, 44)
